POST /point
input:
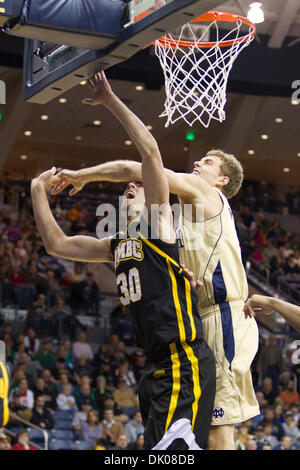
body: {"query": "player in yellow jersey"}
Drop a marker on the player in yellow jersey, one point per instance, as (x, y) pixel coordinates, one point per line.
(210, 248)
(177, 388)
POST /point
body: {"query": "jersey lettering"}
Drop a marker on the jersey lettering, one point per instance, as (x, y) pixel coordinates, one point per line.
(128, 249)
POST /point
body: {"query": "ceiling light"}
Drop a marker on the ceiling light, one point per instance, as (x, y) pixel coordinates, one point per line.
(97, 123)
(185, 149)
(27, 133)
(82, 165)
(286, 170)
(83, 82)
(279, 120)
(62, 100)
(23, 157)
(298, 154)
(78, 137)
(255, 13)
(264, 137)
(128, 142)
(295, 102)
(139, 87)
(251, 152)
(44, 117)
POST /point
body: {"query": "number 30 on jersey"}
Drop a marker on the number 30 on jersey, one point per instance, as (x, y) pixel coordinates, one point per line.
(130, 286)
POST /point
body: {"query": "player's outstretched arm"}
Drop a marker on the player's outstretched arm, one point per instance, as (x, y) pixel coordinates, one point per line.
(260, 304)
(77, 248)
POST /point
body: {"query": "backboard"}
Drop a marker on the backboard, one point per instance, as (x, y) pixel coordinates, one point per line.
(51, 67)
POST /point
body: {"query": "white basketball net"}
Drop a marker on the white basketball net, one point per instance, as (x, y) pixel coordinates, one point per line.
(196, 78)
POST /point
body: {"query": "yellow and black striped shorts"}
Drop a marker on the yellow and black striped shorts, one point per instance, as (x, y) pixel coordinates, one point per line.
(176, 397)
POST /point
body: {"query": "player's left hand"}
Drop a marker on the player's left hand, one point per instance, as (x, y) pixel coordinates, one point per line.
(257, 304)
(100, 89)
(190, 276)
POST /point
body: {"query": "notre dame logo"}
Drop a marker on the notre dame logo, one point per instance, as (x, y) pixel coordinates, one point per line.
(218, 413)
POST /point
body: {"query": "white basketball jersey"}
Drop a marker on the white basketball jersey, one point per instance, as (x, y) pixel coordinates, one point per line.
(211, 250)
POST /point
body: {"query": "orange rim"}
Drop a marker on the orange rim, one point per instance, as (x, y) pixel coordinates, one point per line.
(211, 16)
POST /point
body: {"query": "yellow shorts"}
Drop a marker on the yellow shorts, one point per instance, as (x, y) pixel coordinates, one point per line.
(234, 341)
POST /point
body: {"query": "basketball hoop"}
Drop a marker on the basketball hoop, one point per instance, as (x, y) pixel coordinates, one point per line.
(196, 71)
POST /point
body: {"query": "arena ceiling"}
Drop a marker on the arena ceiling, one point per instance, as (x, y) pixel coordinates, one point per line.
(259, 103)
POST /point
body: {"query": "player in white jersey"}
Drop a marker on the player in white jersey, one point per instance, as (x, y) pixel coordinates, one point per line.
(216, 262)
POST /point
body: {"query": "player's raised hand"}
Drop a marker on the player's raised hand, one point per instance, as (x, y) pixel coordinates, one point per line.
(100, 89)
(66, 178)
(258, 304)
(190, 276)
(47, 178)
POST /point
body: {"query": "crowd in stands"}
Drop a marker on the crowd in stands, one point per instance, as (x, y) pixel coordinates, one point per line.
(100, 389)
(54, 368)
(272, 251)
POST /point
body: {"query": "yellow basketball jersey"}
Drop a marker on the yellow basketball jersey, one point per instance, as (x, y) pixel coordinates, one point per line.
(211, 250)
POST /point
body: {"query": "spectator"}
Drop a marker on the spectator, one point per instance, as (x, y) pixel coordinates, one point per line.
(58, 368)
(269, 436)
(266, 446)
(64, 320)
(16, 276)
(270, 361)
(268, 390)
(32, 343)
(134, 427)
(125, 373)
(260, 437)
(83, 367)
(289, 395)
(41, 390)
(101, 392)
(100, 355)
(49, 382)
(32, 277)
(63, 379)
(45, 356)
(91, 430)
(26, 395)
(106, 371)
(16, 408)
(29, 367)
(67, 345)
(121, 442)
(41, 416)
(81, 415)
(82, 348)
(243, 434)
(285, 444)
(5, 443)
(38, 316)
(290, 428)
(140, 360)
(138, 444)
(278, 412)
(111, 427)
(65, 399)
(251, 444)
(84, 392)
(125, 398)
(90, 295)
(23, 441)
